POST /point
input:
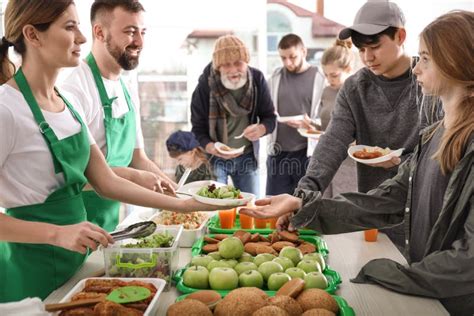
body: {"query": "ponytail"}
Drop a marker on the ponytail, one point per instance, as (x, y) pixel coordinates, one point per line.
(340, 54)
(7, 68)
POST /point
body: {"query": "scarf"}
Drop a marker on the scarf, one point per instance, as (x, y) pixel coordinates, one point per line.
(222, 103)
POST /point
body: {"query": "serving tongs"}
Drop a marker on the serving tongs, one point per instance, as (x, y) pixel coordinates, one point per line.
(138, 230)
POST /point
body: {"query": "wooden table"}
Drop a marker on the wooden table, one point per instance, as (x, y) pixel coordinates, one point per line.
(348, 253)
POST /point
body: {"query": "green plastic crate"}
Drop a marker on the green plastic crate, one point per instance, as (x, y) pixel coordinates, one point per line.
(214, 226)
(315, 240)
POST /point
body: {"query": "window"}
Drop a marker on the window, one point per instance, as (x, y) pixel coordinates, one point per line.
(278, 25)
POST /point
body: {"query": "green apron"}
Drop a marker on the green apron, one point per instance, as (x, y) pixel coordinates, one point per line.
(35, 270)
(120, 135)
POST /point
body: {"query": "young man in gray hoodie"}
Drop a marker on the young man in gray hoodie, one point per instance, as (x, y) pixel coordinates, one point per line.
(378, 106)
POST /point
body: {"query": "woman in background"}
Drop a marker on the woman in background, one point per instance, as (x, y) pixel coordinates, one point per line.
(338, 64)
(433, 192)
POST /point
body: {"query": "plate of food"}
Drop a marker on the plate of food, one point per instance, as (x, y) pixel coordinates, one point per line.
(310, 133)
(283, 119)
(372, 154)
(220, 194)
(226, 150)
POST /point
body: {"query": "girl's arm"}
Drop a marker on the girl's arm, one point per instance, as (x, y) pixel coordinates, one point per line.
(107, 184)
(76, 237)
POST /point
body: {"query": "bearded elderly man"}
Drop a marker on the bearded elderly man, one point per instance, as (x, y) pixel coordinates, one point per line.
(232, 99)
(111, 113)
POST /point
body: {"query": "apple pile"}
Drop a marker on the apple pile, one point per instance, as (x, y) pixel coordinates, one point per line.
(230, 267)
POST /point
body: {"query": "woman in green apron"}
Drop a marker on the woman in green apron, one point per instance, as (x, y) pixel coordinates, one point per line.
(47, 156)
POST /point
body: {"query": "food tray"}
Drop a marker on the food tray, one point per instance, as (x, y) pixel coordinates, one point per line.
(344, 308)
(152, 308)
(320, 244)
(215, 227)
(189, 236)
(334, 279)
(144, 262)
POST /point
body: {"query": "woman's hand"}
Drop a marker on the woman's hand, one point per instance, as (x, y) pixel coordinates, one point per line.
(81, 236)
(274, 206)
(393, 162)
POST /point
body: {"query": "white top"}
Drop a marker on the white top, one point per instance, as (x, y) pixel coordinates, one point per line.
(27, 173)
(81, 84)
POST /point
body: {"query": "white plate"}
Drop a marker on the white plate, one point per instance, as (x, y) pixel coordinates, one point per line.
(303, 132)
(283, 119)
(152, 308)
(393, 153)
(193, 187)
(233, 151)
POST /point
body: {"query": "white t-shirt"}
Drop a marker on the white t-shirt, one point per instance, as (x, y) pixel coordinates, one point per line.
(81, 84)
(27, 173)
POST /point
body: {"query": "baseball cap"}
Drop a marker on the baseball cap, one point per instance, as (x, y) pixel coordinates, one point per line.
(181, 141)
(374, 17)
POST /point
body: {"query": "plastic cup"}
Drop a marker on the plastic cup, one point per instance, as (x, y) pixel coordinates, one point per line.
(260, 223)
(273, 222)
(371, 235)
(234, 216)
(226, 218)
(246, 222)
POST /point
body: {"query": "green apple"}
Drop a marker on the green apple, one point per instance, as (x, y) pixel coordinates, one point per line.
(251, 278)
(285, 262)
(231, 262)
(263, 257)
(268, 268)
(201, 260)
(315, 280)
(277, 280)
(196, 277)
(246, 257)
(245, 266)
(223, 279)
(231, 248)
(292, 253)
(217, 264)
(215, 255)
(309, 266)
(295, 273)
(316, 256)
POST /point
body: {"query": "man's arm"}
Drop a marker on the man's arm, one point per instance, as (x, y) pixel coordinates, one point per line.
(141, 161)
(332, 147)
(441, 274)
(347, 212)
(200, 110)
(265, 108)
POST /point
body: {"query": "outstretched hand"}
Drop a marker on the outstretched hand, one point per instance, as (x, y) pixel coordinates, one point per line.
(274, 206)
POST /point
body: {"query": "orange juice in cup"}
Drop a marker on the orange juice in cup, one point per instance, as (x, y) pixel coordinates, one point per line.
(273, 222)
(260, 223)
(234, 216)
(246, 222)
(371, 235)
(226, 218)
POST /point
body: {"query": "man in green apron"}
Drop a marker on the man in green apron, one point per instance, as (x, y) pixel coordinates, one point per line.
(113, 118)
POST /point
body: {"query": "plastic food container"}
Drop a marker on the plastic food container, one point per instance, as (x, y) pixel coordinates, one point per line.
(334, 279)
(344, 308)
(150, 311)
(188, 236)
(144, 262)
(215, 227)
